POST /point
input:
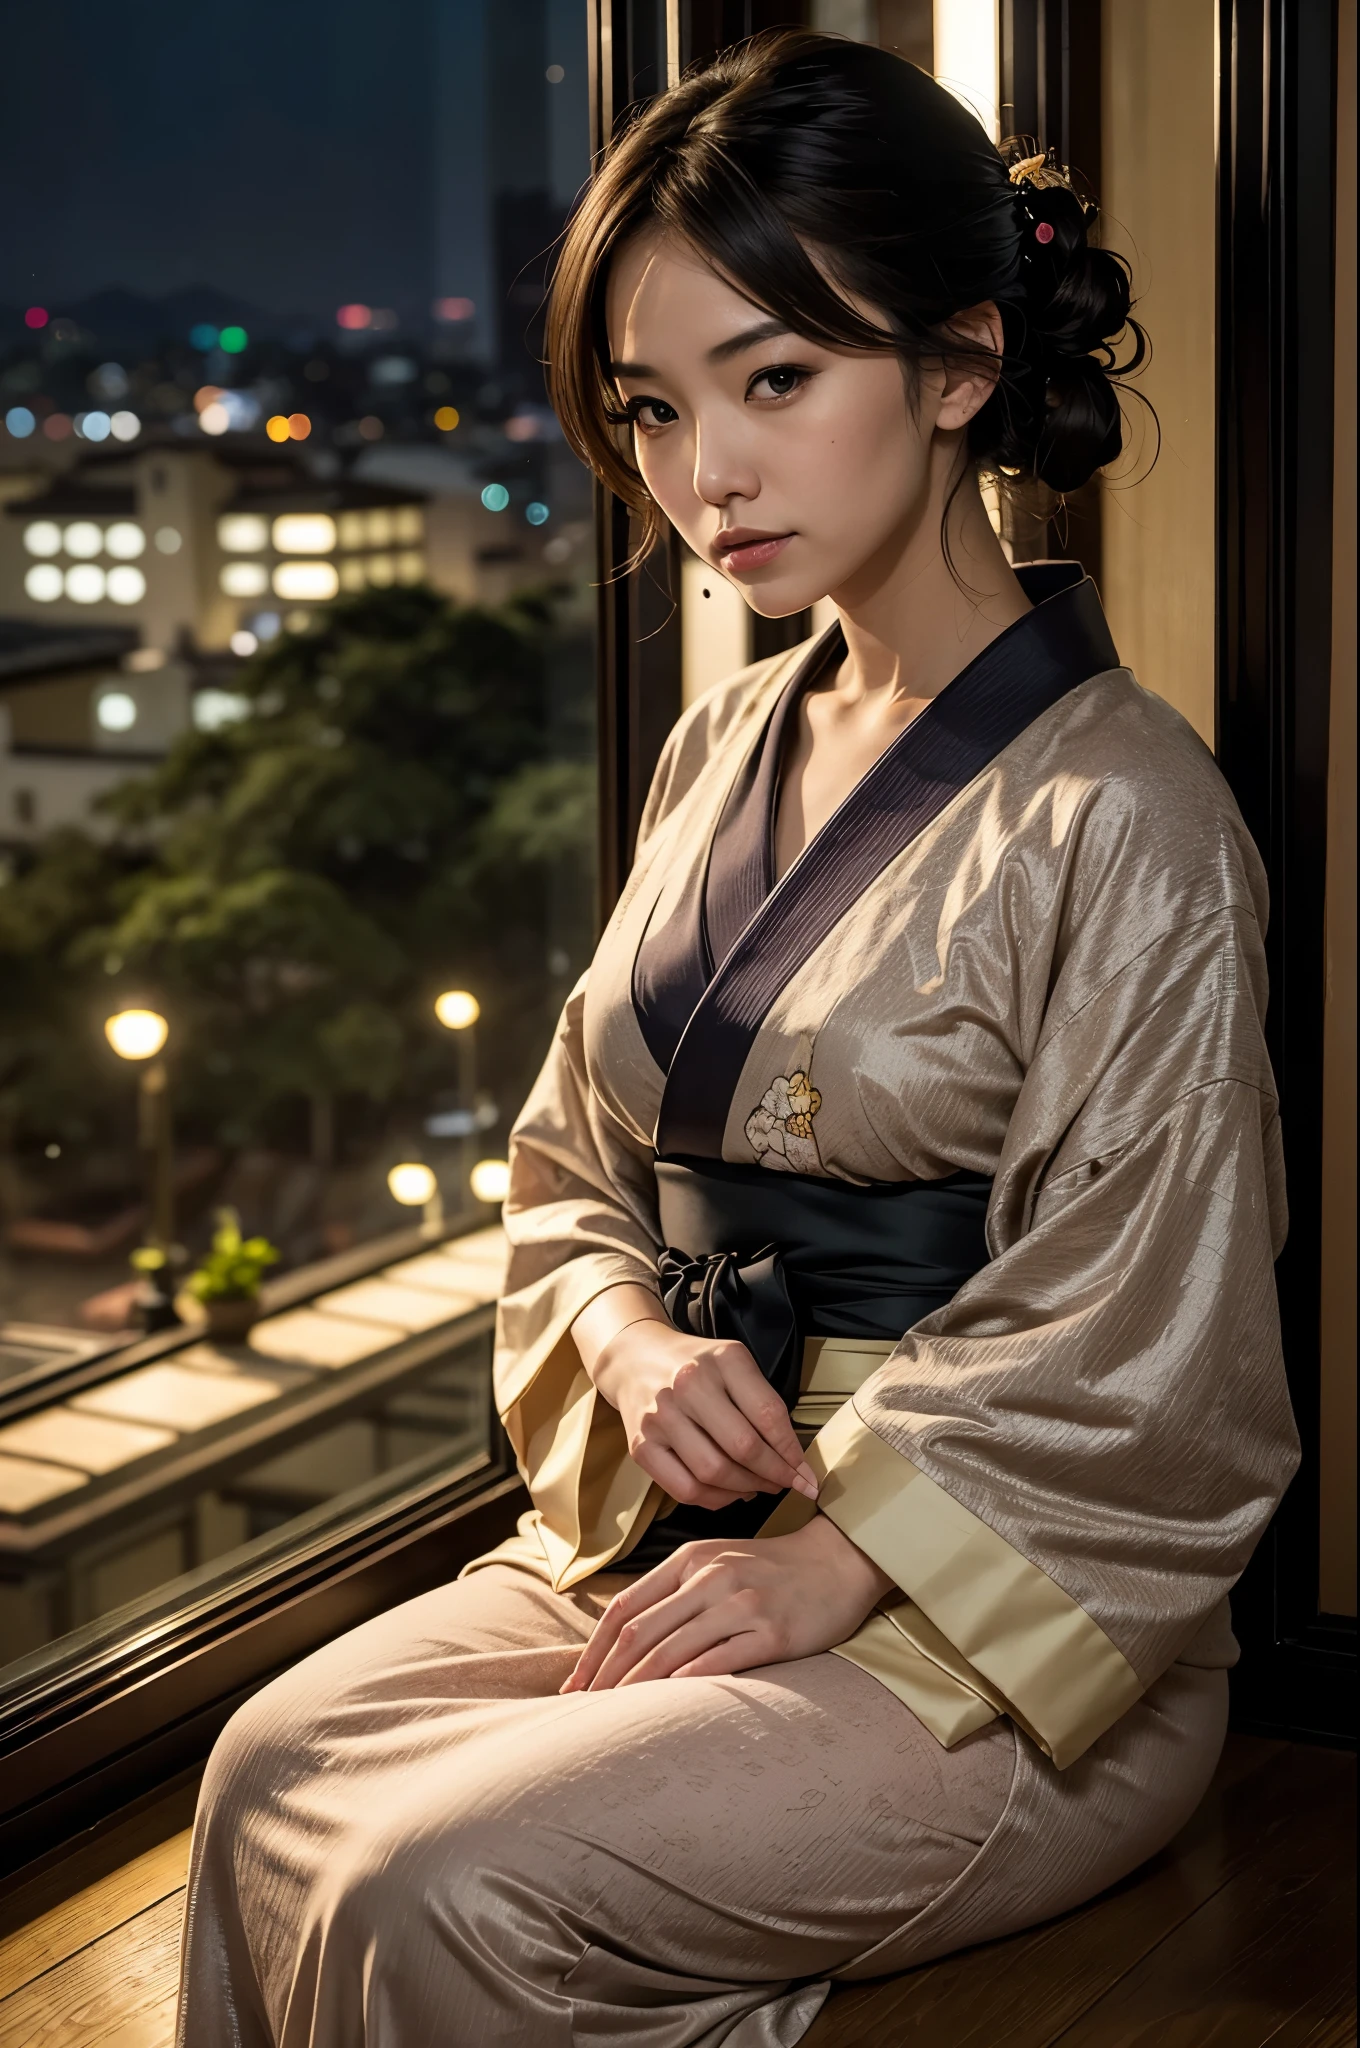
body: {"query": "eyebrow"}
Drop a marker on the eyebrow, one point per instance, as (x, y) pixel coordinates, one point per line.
(737, 344)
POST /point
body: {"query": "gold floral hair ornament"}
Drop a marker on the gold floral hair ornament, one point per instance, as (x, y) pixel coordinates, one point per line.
(1040, 171)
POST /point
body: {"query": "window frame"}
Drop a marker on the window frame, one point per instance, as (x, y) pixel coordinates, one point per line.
(123, 1718)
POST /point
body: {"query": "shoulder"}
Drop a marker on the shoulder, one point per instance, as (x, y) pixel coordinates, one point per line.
(1139, 803)
(721, 717)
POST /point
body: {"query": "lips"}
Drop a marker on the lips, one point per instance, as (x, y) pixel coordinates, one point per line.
(740, 550)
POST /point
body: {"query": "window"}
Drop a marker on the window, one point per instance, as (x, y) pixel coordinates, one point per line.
(297, 766)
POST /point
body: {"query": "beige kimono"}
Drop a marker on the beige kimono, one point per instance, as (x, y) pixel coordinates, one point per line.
(1059, 983)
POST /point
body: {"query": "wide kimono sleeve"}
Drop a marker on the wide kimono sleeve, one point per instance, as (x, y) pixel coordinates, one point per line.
(1066, 1469)
(581, 1217)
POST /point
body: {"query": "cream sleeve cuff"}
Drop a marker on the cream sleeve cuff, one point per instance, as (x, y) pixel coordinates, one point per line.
(1000, 1635)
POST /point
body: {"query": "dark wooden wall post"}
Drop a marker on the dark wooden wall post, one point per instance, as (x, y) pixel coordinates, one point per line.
(1050, 89)
(636, 47)
(1277, 85)
(631, 56)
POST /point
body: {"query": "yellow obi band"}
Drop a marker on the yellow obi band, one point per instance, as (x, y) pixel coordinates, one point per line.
(834, 1368)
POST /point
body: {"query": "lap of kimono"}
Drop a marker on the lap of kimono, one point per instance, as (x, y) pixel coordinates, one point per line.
(967, 1130)
(411, 1839)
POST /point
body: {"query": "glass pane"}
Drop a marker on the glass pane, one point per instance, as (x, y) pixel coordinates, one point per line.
(296, 766)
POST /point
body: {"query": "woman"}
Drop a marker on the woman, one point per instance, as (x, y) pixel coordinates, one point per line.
(890, 1343)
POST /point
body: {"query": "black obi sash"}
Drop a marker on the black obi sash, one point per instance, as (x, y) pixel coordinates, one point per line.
(773, 1258)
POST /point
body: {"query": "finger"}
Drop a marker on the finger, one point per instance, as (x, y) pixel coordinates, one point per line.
(755, 1397)
(718, 1414)
(641, 1635)
(675, 1477)
(623, 1608)
(725, 1631)
(741, 1652)
(709, 1463)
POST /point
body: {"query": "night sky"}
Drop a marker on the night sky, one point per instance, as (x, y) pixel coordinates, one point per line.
(299, 153)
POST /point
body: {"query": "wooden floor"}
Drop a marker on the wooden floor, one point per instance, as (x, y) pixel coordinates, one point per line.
(1238, 1935)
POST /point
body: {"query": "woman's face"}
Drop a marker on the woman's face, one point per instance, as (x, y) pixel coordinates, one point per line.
(796, 469)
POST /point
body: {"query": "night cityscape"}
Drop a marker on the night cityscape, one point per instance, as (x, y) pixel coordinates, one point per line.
(238, 410)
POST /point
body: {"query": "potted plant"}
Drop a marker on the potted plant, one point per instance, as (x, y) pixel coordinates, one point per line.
(227, 1284)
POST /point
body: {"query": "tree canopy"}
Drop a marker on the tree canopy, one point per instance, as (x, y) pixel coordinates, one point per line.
(407, 805)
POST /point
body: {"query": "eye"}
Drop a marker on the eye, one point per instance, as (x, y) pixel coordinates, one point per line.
(651, 414)
(781, 380)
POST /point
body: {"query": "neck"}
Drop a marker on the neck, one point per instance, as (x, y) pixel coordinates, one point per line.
(909, 627)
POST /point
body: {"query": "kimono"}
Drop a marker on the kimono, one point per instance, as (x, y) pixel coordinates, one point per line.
(966, 1127)
(1050, 995)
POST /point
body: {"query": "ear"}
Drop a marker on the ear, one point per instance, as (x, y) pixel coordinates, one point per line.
(970, 379)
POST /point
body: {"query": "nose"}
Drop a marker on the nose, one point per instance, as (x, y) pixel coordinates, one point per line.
(722, 469)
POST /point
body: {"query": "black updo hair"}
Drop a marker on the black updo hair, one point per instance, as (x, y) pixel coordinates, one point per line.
(795, 142)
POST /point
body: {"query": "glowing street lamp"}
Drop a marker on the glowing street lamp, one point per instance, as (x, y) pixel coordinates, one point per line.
(413, 1185)
(140, 1035)
(490, 1180)
(136, 1034)
(458, 1010)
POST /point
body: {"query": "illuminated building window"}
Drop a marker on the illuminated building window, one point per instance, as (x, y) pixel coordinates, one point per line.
(212, 708)
(353, 530)
(304, 533)
(378, 527)
(244, 579)
(407, 525)
(126, 585)
(382, 570)
(85, 582)
(125, 540)
(169, 540)
(242, 533)
(306, 580)
(43, 537)
(410, 566)
(83, 539)
(43, 583)
(352, 575)
(115, 711)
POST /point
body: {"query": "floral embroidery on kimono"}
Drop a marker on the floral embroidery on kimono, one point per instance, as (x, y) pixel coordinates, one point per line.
(780, 1131)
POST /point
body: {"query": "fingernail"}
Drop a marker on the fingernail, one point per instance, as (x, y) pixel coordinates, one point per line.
(807, 1487)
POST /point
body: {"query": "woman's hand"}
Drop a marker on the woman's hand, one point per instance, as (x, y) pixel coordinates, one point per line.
(700, 1417)
(722, 1607)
